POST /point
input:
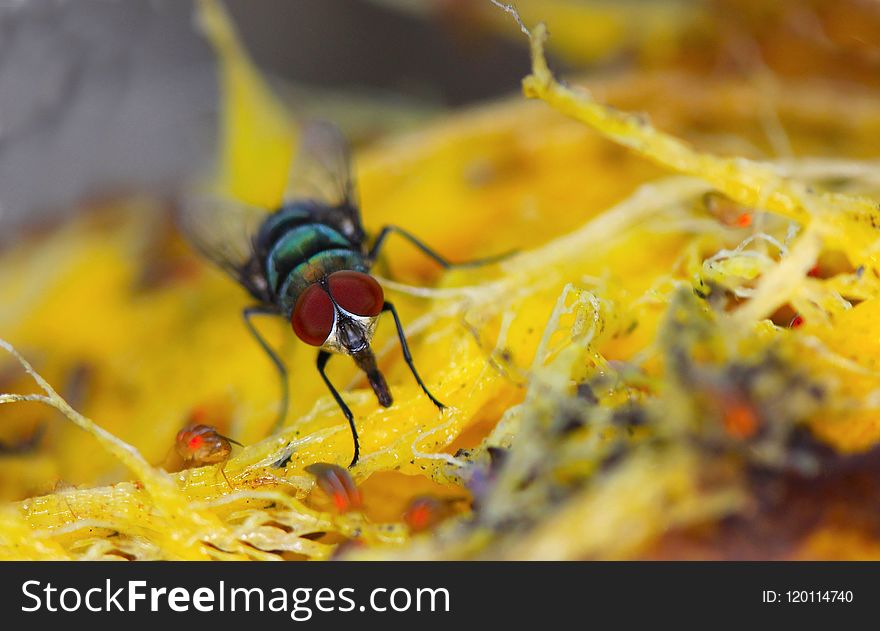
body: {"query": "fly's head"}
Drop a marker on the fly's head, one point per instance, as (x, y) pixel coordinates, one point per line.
(351, 334)
(339, 313)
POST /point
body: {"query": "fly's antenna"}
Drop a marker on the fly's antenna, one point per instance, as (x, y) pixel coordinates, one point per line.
(231, 440)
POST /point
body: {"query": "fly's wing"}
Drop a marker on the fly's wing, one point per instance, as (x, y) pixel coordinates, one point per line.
(222, 230)
(321, 173)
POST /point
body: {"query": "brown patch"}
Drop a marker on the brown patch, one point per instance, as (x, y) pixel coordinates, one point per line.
(788, 508)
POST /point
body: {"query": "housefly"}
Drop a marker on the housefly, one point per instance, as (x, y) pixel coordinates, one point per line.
(308, 261)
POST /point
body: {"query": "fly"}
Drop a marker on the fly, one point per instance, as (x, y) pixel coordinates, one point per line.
(202, 444)
(338, 485)
(309, 262)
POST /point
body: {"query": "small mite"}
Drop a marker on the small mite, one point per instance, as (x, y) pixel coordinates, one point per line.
(338, 485)
(203, 444)
(427, 511)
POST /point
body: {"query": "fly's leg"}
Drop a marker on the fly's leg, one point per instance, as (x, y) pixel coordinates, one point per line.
(444, 263)
(406, 354)
(323, 358)
(223, 473)
(248, 313)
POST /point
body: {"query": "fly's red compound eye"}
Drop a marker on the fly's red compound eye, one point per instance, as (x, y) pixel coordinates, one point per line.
(312, 318)
(194, 442)
(357, 293)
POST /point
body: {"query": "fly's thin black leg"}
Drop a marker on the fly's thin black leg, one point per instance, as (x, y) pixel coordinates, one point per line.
(444, 263)
(323, 358)
(406, 354)
(279, 365)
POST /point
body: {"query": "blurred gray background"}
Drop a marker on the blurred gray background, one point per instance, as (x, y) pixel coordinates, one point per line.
(99, 97)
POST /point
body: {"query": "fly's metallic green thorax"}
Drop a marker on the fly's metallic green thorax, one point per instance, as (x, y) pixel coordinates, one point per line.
(298, 249)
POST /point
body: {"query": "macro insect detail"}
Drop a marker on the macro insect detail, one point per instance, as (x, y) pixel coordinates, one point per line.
(338, 484)
(202, 445)
(425, 512)
(308, 261)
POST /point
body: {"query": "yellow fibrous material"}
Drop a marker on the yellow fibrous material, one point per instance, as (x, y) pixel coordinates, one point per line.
(619, 261)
